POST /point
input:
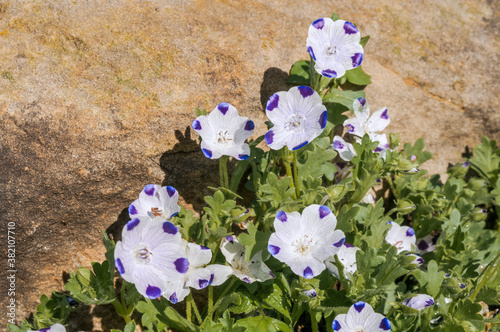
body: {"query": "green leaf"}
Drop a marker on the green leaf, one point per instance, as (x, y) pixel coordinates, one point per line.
(345, 98)
(468, 311)
(486, 160)
(262, 324)
(364, 40)
(254, 241)
(335, 17)
(279, 301)
(299, 73)
(358, 76)
(345, 218)
(130, 327)
(316, 161)
(431, 280)
(164, 315)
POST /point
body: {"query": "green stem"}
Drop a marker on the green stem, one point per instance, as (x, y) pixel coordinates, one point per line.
(391, 185)
(317, 83)
(219, 300)
(210, 300)
(314, 322)
(487, 275)
(286, 161)
(195, 308)
(188, 308)
(296, 174)
(224, 177)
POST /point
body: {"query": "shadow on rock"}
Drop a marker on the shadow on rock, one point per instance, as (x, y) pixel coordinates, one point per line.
(115, 229)
(274, 81)
(189, 171)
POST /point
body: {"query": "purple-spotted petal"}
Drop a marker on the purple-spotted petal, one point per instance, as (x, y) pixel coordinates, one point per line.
(181, 265)
(274, 250)
(223, 108)
(281, 216)
(133, 224)
(273, 101)
(319, 24)
(153, 292)
(305, 91)
(169, 228)
(349, 28)
(308, 273)
(324, 211)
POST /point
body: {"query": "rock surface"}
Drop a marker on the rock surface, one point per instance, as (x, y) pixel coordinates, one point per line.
(96, 100)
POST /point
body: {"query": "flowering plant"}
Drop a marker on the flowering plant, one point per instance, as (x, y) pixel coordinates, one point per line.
(310, 246)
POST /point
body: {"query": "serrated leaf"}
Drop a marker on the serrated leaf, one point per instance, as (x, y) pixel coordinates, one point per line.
(486, 159)
(431, 280)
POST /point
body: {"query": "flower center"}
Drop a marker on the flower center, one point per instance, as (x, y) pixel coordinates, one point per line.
(156, 212)
(399, 245)
(296, 123)
(359, 329)
(223, 137)
(142, 254)
(330, 50)
(303, 245)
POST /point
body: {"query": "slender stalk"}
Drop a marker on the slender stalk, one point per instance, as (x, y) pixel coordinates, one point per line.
(314, 322)
(221, 297)
(210, 300)
(224, 177)
(296, 174)
(286, 161)
(391, 185)
(195, 308)
(188, 308)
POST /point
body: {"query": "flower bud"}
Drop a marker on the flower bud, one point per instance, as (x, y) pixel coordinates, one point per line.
(405, 206)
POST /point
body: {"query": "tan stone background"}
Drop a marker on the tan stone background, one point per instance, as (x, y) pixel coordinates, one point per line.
(96, 98)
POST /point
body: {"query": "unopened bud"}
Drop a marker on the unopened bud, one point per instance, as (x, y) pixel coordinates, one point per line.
(405, 206)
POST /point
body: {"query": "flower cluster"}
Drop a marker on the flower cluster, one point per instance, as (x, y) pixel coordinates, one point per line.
(363, 124)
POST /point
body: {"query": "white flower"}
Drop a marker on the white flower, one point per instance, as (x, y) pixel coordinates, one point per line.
(53, 328)
(298, 115)
(427, 243)
(197, 276)
(363, 124)
(347, 256)
(224, 132)
(419, 302)
(254, 270)
(305, 241)
(346, 150)
(361, 318)
(155, 202)
(150, 254)
(403, 237)
(334, 46)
